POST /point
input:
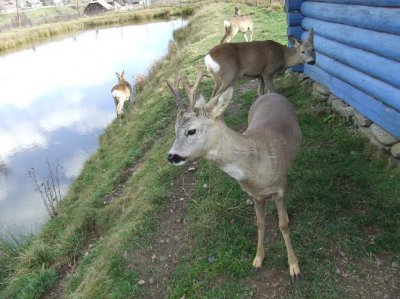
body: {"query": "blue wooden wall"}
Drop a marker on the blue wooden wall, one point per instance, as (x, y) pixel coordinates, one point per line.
(358, 52)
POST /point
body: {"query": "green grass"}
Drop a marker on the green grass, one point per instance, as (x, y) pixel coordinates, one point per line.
(339, 195)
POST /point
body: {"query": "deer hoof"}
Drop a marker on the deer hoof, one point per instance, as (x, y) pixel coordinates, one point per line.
(295, 272)
(296, 278)
(255, 270)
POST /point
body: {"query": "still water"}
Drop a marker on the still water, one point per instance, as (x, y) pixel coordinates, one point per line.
(54, 103)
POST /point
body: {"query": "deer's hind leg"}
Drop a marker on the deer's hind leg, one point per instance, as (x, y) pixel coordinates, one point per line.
(259, 205)
(229, 34)
(294, 269)
(217, 85)
(249, 31)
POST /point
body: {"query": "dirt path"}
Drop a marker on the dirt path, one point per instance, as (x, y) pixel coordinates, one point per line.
(169, 241)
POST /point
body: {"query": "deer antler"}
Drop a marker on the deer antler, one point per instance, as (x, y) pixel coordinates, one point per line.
(175, 90)
(191, 91)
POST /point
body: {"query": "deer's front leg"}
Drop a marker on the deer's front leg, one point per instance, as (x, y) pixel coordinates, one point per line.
(260, 213)
(269, 81)
(261, 86)
(294, 269)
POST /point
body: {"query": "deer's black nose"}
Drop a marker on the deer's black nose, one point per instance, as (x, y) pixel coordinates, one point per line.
(312, 62)
(173, 158)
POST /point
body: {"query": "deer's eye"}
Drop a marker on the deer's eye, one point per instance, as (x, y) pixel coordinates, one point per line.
(191, 132)
(302, 52)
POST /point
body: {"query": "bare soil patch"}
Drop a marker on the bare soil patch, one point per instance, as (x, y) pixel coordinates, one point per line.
(157, 260)
(374, 277)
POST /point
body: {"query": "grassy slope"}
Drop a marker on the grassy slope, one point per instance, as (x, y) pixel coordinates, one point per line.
(339, 195)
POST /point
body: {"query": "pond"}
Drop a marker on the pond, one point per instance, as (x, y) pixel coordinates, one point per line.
(55, 101)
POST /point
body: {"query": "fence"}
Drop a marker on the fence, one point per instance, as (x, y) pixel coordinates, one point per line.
(71, 12)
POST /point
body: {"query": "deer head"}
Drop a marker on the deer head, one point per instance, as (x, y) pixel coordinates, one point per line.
(238, 12)
(194, 127)
(120, 77)
(305, 49)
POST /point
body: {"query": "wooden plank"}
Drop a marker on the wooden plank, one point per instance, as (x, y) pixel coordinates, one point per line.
(384, 116)
(295, 31)
(385, 69)
(294, 18)
(293, 5)
(384, 44)
(383, 19)
(384, 3)
(371, 86)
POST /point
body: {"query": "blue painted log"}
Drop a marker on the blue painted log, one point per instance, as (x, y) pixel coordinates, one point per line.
(385, 3)
(293, 5)
(295, 31)
(384, 116)
(375, 18)
(384, 69)
(294, 18)
(384, 44)
(371, 86)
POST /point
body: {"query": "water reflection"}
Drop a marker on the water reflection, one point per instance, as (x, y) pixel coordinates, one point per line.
(55, 101)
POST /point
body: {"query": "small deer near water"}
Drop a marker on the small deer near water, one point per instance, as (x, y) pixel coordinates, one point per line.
(259, 158)
(121, 92)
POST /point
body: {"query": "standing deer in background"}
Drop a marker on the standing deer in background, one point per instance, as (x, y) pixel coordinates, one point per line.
(259, 159)
(121, 92)
(259, 59)
(237, 23)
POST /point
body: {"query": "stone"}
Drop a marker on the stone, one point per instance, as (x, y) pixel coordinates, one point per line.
(360, 120)
(331, 98)
(321, 110)
(321, 89)
(346, 112)
(319, 96)
(249, 202)
(382, 136)
(301, 77)
(191, 169)
(395, 150)
(141, 282)
(152, 280)
(306, 82)
(338, 104)
(342, 108)
(211, 259)
(163, 258)
(366, 131)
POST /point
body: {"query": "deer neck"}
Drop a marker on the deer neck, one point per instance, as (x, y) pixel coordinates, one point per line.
(230, 150)
(292, 57)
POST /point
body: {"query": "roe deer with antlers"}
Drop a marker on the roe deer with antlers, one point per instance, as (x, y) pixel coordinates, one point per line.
(259, 59)
(259, 158)
(238, 23)
(121, 92)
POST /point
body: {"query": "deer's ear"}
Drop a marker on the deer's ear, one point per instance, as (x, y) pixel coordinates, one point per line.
(294, 41)
(118, 75)
(217, 106)
(311, 35)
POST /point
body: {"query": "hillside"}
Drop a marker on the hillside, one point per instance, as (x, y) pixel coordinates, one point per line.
(133, 226)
